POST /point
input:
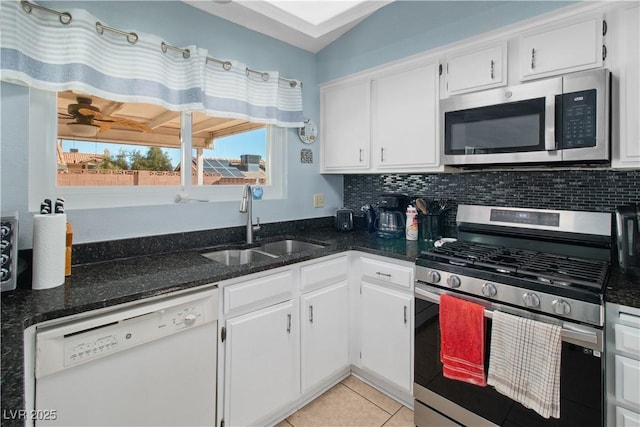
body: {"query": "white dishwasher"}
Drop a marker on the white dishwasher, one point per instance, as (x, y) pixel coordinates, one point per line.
(151, 364)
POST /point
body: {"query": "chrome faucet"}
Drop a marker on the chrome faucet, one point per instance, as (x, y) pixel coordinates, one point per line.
(246, 206)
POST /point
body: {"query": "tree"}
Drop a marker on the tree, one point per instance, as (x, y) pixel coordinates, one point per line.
(109, 163)
(154, 160)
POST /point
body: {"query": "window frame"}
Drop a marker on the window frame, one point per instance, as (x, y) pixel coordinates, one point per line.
(43, 128)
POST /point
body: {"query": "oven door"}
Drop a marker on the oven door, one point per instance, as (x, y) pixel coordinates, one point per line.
(441, 401)
(507, 125)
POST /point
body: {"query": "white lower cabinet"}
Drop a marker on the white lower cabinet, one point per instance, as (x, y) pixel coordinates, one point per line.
(289, 334)
(259, 347)
(324, 334)
(623, 365)
(385, 334)
(262, 364)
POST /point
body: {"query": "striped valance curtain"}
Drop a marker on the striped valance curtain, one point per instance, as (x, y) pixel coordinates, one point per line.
(270, 96)
(40, 50)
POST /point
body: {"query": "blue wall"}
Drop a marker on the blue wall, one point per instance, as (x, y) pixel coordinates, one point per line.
(405, 28)
(400, 29)
(178, 24)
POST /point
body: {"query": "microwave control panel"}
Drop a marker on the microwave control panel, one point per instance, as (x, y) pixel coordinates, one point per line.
(579, 119)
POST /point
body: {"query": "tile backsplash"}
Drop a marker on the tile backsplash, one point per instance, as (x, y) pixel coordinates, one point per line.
(581, 190)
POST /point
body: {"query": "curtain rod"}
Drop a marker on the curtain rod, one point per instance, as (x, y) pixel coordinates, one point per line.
(226, 65)
(65, 18)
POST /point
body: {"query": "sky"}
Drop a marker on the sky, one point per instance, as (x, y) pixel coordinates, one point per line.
(230, 147)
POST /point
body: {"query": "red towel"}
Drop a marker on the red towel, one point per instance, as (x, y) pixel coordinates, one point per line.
(462, 340)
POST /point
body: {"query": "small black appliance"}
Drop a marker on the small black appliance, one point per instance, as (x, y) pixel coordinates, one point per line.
(344, 219)
(628, 237)
(391, 218)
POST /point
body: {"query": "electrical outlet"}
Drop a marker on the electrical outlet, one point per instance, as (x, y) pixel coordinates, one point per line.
(318, 200)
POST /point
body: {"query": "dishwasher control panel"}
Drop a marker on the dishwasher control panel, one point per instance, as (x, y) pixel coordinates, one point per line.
(83, 341)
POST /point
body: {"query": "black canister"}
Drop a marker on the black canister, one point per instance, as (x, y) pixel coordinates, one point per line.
(431, 226)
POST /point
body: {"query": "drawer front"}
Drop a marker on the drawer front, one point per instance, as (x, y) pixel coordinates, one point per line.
(628, 381)
(386, 272)
(324, 272)
(627, 339)
(260, 291)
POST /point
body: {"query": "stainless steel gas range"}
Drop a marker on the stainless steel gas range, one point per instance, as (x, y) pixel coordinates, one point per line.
(547, 265)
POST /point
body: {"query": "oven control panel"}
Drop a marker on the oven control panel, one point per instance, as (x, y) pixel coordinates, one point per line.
(551, 219)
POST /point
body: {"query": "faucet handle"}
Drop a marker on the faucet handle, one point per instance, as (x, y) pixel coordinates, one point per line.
(257, 226)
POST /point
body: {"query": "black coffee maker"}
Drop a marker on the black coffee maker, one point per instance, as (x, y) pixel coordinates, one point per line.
(391, 219)
(628, 238)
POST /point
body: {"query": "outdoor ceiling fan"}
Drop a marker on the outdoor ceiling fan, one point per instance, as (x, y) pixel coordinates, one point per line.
(88, 120)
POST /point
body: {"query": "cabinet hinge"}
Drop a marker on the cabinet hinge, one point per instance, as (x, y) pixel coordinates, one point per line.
(222, 422)
(604, 28)
(223, 336)
(604, 52)
(440, 69)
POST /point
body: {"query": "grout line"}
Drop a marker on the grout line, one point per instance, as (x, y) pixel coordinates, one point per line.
(368, 400)
(394, 414)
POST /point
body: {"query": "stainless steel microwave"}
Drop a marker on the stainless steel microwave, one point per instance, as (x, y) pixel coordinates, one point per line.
(558, 119)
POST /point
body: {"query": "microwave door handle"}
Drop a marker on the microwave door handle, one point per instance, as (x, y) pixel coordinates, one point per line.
(553, 123)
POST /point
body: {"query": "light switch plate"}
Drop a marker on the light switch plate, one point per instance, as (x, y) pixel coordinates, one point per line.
(318, 200)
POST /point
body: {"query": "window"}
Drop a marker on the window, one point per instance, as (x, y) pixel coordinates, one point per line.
(101, 153)
(106, 143)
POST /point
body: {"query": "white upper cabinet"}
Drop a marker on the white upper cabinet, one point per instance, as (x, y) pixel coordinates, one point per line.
(385, 121)
(403, 119)
(562, 48)
(480, 68)
(626, 88)
(345, 124)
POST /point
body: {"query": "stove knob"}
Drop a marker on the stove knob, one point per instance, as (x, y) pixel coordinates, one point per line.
(489, 290)
(531, 300)
(453, 282)
(560, 306)
(434, 277)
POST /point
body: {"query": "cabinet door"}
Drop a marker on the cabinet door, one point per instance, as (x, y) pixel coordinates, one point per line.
(626, 418)
(628, 381)
(404, 119)
(345, 136)
(627, 144)
(386, 332)
(261, 364)
(480, 69)
(571, 47)
(325, 333)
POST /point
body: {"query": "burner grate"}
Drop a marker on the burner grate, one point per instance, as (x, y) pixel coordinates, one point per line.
(543, 267)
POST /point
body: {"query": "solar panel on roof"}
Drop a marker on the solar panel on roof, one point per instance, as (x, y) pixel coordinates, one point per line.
(223, 168)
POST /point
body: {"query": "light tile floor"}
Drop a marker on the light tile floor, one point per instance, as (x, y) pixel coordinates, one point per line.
(351, 403)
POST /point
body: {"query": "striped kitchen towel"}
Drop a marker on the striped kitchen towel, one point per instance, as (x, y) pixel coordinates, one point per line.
(524, 362)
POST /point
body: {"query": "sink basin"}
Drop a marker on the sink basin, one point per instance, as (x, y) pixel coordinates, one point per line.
(287, 247)
(238, 256)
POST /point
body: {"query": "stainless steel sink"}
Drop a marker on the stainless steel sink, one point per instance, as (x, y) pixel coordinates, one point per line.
(238, 256)
(287, 247)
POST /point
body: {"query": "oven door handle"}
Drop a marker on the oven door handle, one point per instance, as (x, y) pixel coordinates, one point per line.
(569, 333)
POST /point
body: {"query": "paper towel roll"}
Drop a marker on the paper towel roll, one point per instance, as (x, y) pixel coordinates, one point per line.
(49, 238)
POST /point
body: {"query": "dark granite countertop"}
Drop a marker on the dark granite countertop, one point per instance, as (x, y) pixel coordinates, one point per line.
(99, 285)
(623, 289)
(105, 284)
